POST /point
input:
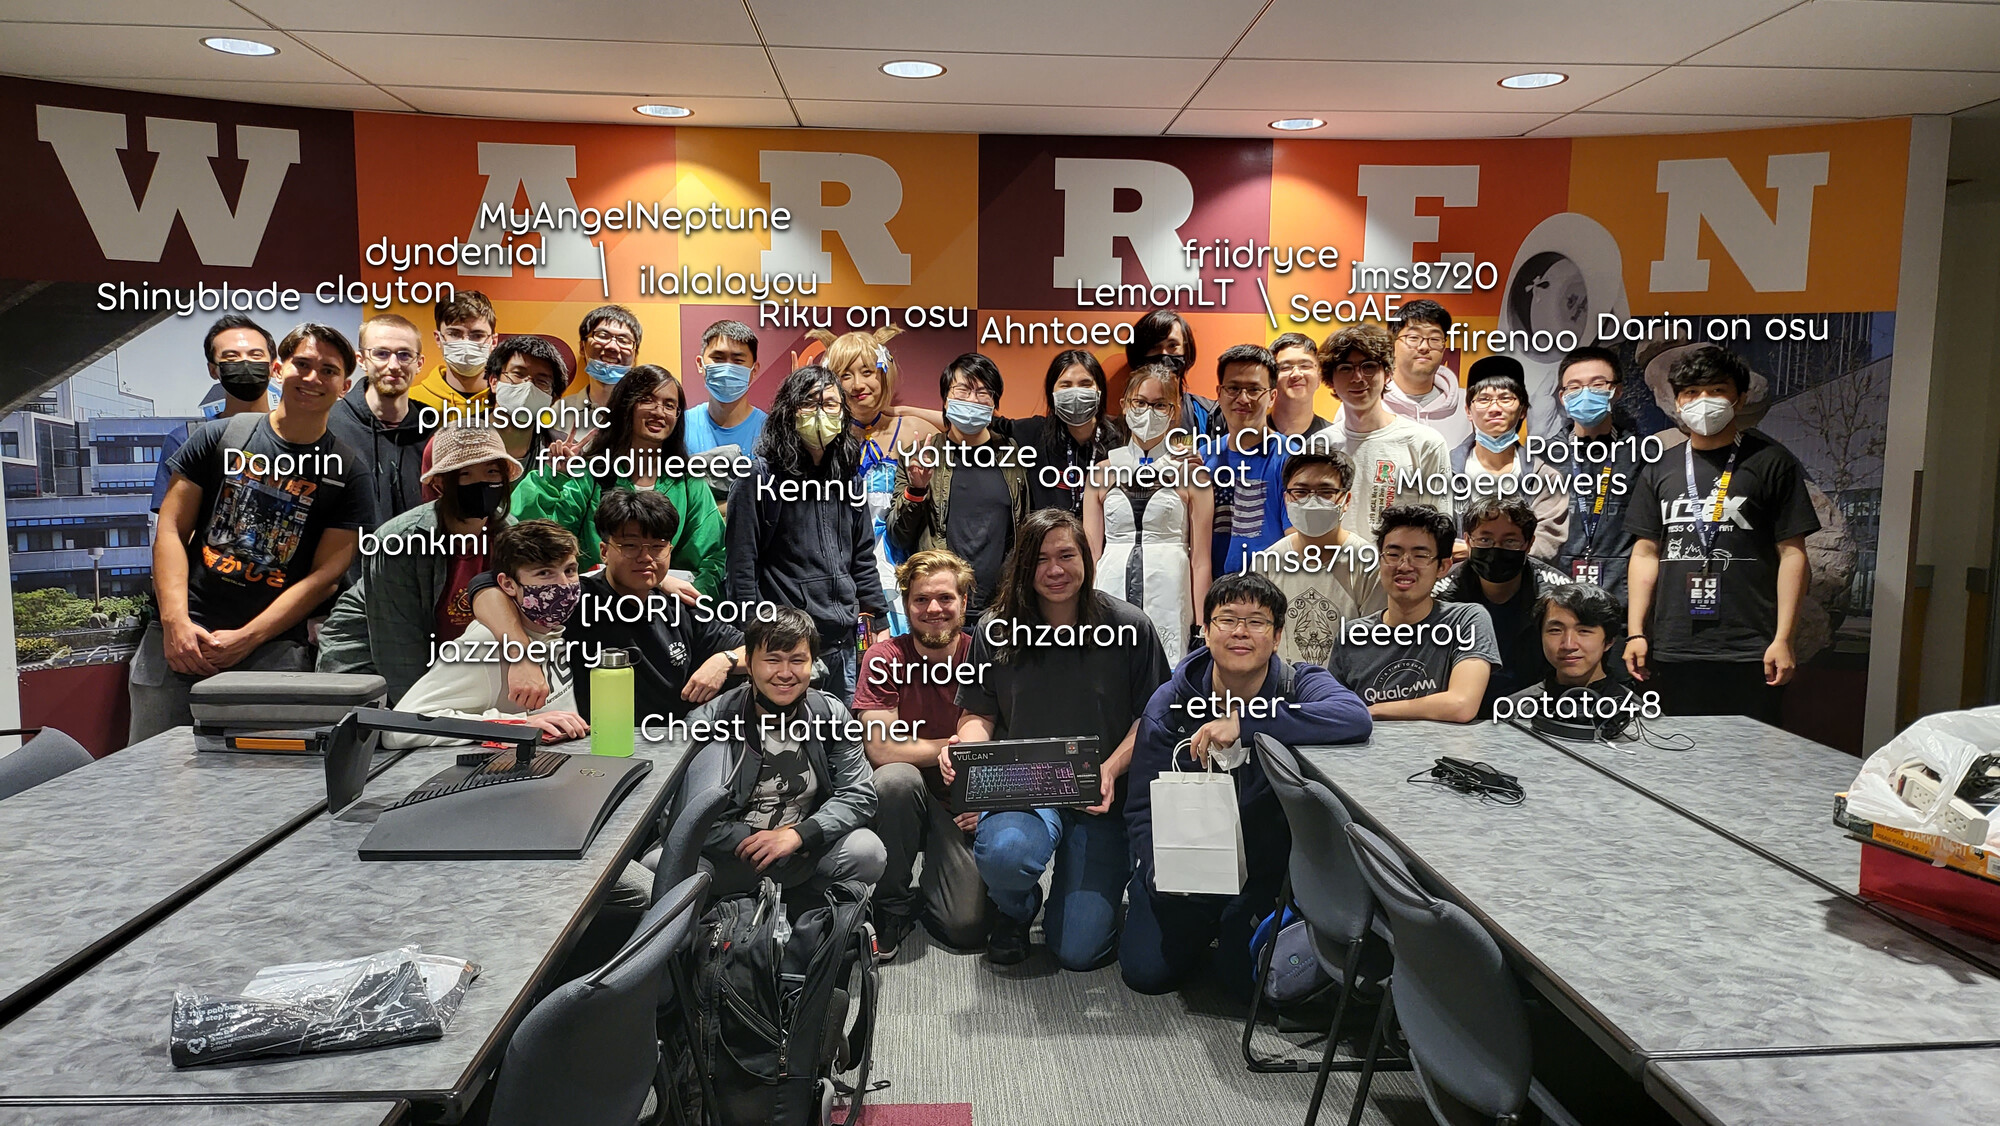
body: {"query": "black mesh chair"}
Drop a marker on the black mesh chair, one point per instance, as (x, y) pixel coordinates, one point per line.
(1456, 1001)
(590, 1051)
(46, 754)
(1324, 884)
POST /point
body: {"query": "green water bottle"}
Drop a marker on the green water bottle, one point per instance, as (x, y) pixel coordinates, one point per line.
(611, 726)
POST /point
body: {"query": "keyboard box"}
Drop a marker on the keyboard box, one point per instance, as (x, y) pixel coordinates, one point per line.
(1940, 879)
(1023, 774)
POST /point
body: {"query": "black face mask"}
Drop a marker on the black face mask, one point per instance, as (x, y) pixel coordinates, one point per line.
(770, 707)
(1497, 564)
(244, 379)
(477, 500)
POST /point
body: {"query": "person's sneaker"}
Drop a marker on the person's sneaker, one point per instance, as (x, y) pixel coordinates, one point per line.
(890, 931)
(1008, 945)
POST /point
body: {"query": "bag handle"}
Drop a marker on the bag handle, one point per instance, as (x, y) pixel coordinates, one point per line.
(1174, 760)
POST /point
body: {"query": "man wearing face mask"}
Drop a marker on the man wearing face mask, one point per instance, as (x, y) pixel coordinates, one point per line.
(376, 418)
(1492, 458)
(728, 362)
(1601, 470)
(525, 375)
(965, 489)
(466, 331)
(1499, 575)
(239, 355)
(607, 346)
(1719, 564)
(385, 623)
(1326, 571)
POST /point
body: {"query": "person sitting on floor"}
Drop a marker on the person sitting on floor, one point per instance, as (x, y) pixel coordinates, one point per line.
(801, 792)
(1204, 709)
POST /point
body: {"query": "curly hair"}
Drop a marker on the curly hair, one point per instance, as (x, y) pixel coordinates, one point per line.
(780, 444)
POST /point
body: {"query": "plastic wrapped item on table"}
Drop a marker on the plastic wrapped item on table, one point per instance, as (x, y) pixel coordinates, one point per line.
(1940, 776)
(388, 998)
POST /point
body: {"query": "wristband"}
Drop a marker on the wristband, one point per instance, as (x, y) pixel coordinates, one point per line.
(915, 495)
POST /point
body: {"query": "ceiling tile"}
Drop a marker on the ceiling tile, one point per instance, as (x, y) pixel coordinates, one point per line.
(972, 79)
(1351, 126)
(563, 65)
(1596, 31)
(934, 117)
(160, 13)
(1285, 86)
(615, 109)
(314, 95)
(1137, 28)
(682, 21)
(1589, 124)
(1812, 93)
(44, 50)
(1869, 33)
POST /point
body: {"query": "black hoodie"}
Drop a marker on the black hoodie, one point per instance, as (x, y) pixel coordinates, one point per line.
(392, 456)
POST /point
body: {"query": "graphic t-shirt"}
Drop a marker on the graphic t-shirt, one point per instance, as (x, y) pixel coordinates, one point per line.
(1452, 632)
(703, 434)
(785, 785)
(886, 684)
(1383, 459)
(1767, 502)
(1250, 511)
(1322, 590)
(257, 532)
(454, 606)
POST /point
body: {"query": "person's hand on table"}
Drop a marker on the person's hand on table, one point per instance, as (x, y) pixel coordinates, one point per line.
(187, 647)
(707, 680)
(1213, 735)
(527, 685)
(769, 846)
(558, 726)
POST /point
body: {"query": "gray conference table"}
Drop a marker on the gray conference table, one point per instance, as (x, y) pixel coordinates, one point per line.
(310, 897)
(212, 1114)
(1948, 1088)
(89, 859)
(1657, 936)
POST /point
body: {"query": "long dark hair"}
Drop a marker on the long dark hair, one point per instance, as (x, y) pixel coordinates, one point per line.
(1016, 600)
(638, 384)
(1076, 357)
(780, 444)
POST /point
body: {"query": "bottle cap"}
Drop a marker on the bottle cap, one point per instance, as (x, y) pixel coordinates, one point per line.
(615, 659)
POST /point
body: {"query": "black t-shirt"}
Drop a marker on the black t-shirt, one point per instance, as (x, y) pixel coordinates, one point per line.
(257, 532)
(667, 651)
(1767, 502)
(1068, 691)
(979, 527)
(1055, 445)
(1597, 534)
(1522, 661)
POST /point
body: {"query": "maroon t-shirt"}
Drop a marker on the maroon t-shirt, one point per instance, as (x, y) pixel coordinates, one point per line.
(886, 684)
(454, 608)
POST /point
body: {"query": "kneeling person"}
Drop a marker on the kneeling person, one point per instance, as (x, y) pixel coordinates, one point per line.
(914, 678)
(801, 796)
(1206, 709)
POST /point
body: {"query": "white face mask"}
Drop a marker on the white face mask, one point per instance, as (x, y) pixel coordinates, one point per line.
(466, 358)
(520, 396)
(1708, 416)
(1313, 517)
(1146, 425)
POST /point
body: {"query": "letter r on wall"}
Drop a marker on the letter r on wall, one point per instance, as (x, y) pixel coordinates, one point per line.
(875, 195)
(1166, 199)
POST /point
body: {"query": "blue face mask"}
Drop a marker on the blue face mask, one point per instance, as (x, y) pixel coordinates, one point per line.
(1498, 445)
(968, 418)
(1587, 407)
(604, 373)
(726, 383)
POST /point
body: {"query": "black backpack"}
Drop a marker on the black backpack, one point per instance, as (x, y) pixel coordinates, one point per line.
(768, 1024)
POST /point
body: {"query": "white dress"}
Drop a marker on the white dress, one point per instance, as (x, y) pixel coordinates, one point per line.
(1146, 554)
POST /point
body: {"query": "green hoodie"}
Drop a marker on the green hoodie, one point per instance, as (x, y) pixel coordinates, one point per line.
(572, 502)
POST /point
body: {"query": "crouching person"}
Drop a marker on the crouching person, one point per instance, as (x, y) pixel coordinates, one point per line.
(801, 794)
(1207, 711)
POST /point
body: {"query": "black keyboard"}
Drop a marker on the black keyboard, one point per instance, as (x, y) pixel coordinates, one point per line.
(496, 769)
(1029, 783)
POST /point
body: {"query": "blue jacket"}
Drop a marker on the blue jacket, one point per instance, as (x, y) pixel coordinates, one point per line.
(1324, 711)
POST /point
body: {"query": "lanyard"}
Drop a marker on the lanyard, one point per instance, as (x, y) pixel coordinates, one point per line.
(1705, 527)
(1595, 516)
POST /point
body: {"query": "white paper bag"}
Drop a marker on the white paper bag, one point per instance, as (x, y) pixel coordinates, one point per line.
(1197, 834)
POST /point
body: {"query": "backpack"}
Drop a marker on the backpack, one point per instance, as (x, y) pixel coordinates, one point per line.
(770, 1007)
(1296, 974)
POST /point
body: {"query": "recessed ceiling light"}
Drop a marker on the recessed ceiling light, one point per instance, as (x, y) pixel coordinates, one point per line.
(1533, 81)
(656, 110)
(230, 46)
(1294, 124)
(912, 68)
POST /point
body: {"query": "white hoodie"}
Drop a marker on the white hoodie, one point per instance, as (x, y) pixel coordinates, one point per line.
(477, 689)
(1444, 412)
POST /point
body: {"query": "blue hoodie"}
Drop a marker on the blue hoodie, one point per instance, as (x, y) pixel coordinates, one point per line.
(1323, 711)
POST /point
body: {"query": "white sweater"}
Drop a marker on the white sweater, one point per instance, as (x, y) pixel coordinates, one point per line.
(1380, 458)
(477, 689)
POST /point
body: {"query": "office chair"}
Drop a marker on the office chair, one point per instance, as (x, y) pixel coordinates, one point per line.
(46, 754)
(702, 791)
(590, 1051)
(1455, 999)
(1326, 887)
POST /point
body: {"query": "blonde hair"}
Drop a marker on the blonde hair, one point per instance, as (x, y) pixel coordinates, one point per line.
(842, 352)
(926, 563)
(389, 320)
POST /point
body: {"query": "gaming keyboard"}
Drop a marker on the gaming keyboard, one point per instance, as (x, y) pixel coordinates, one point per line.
(1033, 783)
(488, 770)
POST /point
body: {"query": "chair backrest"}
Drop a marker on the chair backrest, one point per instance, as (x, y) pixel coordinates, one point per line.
(699, 800)
(1325, 882)
(1456, 998)
(49, 754)
(588, 1051)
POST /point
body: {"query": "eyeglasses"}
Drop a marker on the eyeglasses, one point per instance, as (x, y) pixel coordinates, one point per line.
(1323, 492)
(1496, 399)
(1419, 557)
(1369, 370)
(1309, 367)
(1230, 623)
(404, 357)
(619, 339)
(660, 406)
(1161, 409)
(1508, 543)
(1244, 392)
(1422, 342)
(476, 336)
(980, 396)
(1593, 385)
(641, 547)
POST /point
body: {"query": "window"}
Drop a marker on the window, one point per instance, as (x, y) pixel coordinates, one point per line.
(10, 444)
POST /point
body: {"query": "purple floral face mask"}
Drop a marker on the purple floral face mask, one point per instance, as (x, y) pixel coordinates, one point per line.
(549, 606)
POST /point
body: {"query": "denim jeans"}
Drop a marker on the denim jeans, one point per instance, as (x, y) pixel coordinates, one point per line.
(842, 663)
(1092, 863)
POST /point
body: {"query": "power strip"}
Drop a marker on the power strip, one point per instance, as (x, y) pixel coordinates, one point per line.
(1919, 789)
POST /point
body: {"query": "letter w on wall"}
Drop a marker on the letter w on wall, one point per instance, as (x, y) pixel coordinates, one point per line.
(1772, 253)
(88, 142)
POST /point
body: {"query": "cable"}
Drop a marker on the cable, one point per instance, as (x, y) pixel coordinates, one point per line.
(1478, 778)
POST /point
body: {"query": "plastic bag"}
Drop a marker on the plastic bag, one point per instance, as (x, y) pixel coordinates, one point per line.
(388, 998)
(1939, 777)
